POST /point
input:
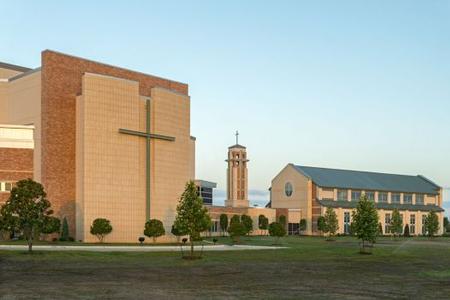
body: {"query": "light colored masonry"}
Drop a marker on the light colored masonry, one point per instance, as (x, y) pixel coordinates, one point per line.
(306, 199)
(110, 167)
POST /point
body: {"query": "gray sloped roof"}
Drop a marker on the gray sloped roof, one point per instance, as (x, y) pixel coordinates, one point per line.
(348, 179)
(386, 206)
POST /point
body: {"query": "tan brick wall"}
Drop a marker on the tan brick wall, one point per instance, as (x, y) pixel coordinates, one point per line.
(61, 83)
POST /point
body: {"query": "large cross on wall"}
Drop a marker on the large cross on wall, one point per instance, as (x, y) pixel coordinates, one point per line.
(148, 136)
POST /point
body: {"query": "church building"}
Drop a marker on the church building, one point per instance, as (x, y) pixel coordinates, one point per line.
(106, 142)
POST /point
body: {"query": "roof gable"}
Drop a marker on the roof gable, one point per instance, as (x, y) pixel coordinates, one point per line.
(337, 178)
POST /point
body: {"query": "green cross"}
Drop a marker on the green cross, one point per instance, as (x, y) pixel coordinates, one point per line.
(148, 136)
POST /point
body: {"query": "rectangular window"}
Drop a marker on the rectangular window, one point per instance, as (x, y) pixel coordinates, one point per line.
(412, 224)
(356, 195)
(387, 223)
(214, 226)
(370, 196)
(8, 186)
(382, 197)
(293, 228)
(2, 186)
(346, 222)
(407, 198)
(419, 199)
(395, 198)
(342, 195)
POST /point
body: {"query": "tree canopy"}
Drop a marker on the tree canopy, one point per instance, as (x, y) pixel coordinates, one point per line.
(277, 230)
(154, 228)
(396, 226)
(331, 222)
(365, 222)
(431, 224)
(27, 210)
(192, 217)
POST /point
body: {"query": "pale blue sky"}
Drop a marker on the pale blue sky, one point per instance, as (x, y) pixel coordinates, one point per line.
(348, 84)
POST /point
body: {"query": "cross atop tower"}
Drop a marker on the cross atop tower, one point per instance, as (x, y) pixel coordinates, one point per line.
(237, 137)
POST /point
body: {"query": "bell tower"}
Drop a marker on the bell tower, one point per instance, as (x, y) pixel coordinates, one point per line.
(237, 176)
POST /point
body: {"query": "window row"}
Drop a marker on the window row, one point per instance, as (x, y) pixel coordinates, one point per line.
(387, 223)
(6, 186)
(355, 195)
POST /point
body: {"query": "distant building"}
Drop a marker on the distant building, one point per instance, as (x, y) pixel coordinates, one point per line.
(237, 202)
(306, 192)
(205, 190)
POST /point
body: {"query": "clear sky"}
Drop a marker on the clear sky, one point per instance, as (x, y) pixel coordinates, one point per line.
(348, 84)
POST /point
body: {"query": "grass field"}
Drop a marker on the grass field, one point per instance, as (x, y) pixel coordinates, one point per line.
(309, 268)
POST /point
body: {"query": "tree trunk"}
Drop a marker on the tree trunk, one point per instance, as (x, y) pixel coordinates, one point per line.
(192, 248)
(30, 241)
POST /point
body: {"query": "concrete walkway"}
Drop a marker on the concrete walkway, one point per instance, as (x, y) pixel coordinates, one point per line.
(136, 248)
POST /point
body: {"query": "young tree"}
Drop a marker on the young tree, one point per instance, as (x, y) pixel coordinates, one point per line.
(406, 231)
(331, 222)
(64, 236)
(396, 225)
(365, 222)
(174, 230)
(192, 217)
(302, 225)
(321, 224)
(27, 209)
(235, 219)
(248, 224)
(277, 230)
(100, 228)
(263, 223)
(154, 228)
(223, 223)
(431, 224)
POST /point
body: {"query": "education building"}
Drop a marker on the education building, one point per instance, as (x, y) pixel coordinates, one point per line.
(306, 192)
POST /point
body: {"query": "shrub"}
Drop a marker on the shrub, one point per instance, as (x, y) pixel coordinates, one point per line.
(141, 240)
(236, 229)
(223, 223)
(176, 232)
(263, 222)
(302, 225)
(321, 224)
(248, 224)
(50, 225)
(100, 228)
(154, 228)
(406, 231)
(277, 230)
(64, 236)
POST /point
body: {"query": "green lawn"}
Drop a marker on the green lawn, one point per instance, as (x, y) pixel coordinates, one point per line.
(310, 268)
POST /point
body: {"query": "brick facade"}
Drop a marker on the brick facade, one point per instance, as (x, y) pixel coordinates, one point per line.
(15, 164)
(61, 83)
